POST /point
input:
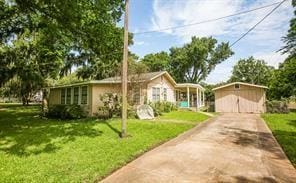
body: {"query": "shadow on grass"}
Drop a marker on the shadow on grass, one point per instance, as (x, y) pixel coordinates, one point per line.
(292, 122)
(111, 127)
(22, 134)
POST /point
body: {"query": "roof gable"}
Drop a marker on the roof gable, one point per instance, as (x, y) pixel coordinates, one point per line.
(141, 77)
(241, 83)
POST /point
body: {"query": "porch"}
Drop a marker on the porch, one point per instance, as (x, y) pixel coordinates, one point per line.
(190, 95)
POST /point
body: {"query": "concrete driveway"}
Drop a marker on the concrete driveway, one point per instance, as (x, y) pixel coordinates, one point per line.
(228, 148)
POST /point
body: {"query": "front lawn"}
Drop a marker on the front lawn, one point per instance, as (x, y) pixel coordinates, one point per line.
(183, 116)
(283, 127)
(39, 150)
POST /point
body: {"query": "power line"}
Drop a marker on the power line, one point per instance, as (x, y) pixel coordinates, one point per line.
(207, 21)
(252, 28)
(210, 20)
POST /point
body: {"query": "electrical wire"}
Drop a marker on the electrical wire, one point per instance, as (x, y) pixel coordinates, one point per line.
(254, 26)
(207, 21)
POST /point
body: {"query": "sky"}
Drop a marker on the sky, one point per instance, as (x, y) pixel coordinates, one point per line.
(262, 43)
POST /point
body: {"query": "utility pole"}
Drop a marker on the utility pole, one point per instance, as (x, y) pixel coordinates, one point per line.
(124, 78)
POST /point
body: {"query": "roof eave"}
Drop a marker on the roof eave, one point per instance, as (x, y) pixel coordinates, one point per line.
(182, 85)
(246, 84)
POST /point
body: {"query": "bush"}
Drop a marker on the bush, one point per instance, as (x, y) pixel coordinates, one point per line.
(162, 107)
(104, 112)
(65, 112)
(113, 106)
(277, 107)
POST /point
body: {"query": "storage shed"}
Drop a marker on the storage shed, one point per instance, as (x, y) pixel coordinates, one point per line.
(240, 97)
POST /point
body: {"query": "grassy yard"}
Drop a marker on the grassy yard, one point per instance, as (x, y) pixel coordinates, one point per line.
(283, 127)
(39, 150)
(183, 116)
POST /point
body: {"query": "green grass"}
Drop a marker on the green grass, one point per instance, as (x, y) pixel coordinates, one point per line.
(39, 150)
(283, 127)
(183, 116)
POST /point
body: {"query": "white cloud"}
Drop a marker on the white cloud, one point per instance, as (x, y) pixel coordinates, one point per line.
(222, 71)
(273, 58)
(175, 13)
(139, 43)
(260, 43)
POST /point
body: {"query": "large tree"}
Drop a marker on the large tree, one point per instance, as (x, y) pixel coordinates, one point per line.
(195, 60)
(39, 37)
(290, 38)
(283, 82)
(251, 70)
(157, 61)
(32, 61)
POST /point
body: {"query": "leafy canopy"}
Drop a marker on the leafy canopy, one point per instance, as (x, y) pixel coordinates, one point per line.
(195, 60)
(192, 62)
(251, 70)
(283, 82)
(157, 62)
(40, 39)
(290, 38)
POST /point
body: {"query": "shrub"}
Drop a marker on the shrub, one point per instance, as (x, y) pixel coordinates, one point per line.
(65, 112)
(277, 107)
(104, 112)
(112, 107)
(162, 107)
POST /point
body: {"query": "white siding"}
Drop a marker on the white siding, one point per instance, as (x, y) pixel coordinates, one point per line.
(161, 82)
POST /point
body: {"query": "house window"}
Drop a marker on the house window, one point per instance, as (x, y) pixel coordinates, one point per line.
(165, 94)
(84, 95)
(63, 95)
(68, 96)
(155, 94)
(236, 86)
(76, 95)
(136, 95)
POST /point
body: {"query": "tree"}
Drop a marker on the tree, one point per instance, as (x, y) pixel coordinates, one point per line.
(251, 71)
(11, 89)
(283, 82)
(6, 70)
(157, 62)
(290, 38)
(194, 61)
(135, 67)
(39, 37)
(33, 60)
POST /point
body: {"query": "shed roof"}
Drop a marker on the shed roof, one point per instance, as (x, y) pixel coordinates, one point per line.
(241, 83)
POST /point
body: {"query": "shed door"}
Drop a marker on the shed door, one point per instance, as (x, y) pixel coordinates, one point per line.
(227, 101)
(249, 101)
(245, 101)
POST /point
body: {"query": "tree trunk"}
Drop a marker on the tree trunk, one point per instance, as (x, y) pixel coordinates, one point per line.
(24, 100)
(44, 102)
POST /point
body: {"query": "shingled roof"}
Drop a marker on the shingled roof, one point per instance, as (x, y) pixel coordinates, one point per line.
(141, 77)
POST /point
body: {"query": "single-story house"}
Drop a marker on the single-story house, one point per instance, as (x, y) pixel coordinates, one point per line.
(240, 97)
(142, 88)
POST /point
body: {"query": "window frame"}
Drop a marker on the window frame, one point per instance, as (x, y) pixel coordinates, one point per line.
(165, 94)
(155, 94)
(136, 95)
(63, 96)
(77, 87)
(67, 91)
(236, 86)
(81, 95)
